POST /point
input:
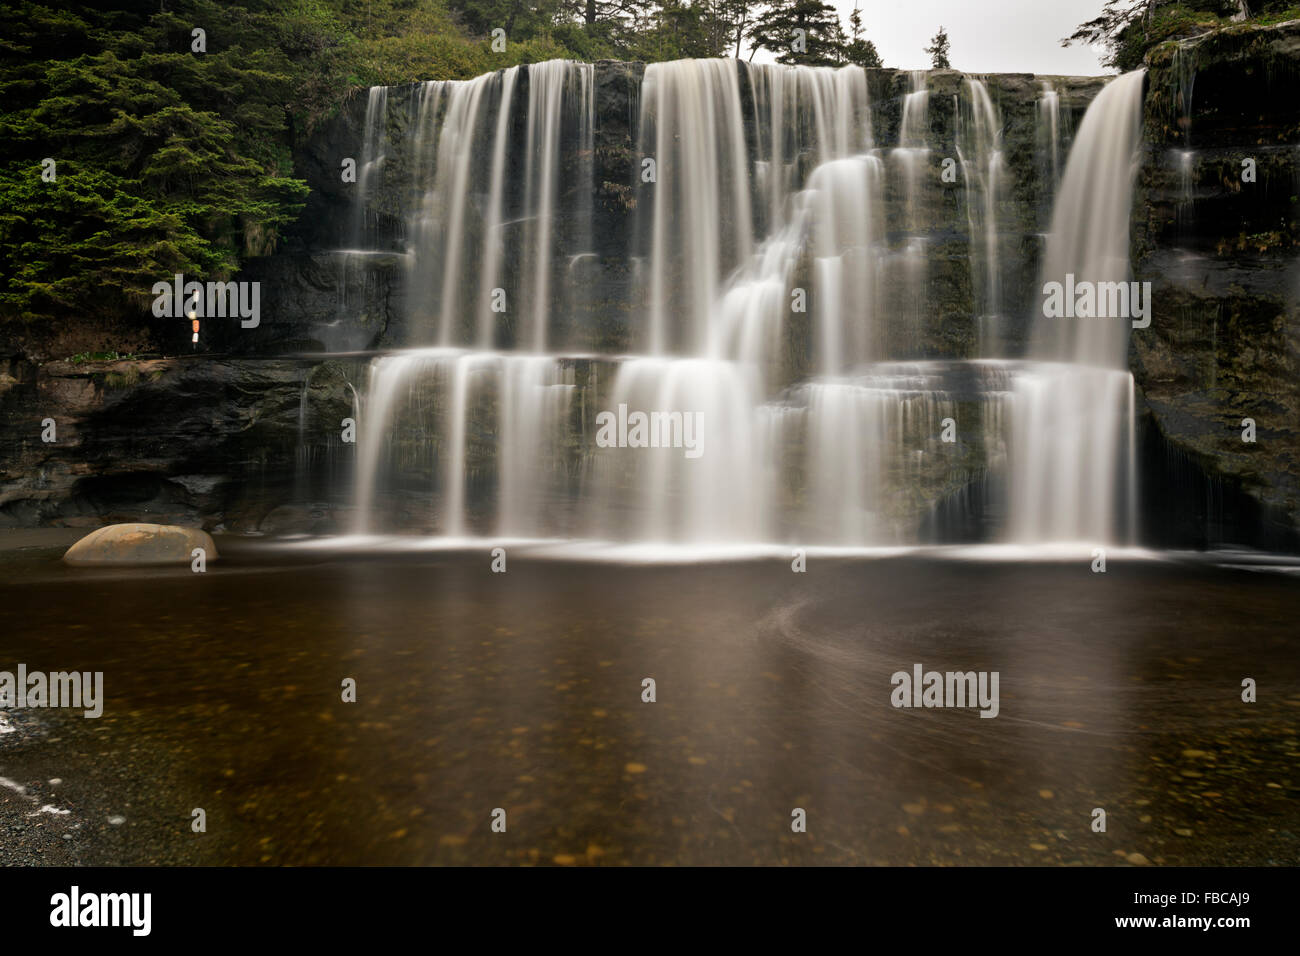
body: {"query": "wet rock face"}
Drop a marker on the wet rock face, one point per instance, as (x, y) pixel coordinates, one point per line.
(214, 443)
(1216, 230)
(617, 106)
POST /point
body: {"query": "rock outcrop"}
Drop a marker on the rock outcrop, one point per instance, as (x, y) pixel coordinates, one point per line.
(203, 441)
(1216, 230)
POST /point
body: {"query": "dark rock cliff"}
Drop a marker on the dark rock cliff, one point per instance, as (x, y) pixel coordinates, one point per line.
(227, 444)
(1216, 230)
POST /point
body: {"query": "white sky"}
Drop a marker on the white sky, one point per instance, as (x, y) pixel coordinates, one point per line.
(987, 36)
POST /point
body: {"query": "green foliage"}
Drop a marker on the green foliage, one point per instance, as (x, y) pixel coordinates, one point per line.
(169, 159)
(127, 378)
(90, 240)
(809, 32)
(165, 159)
(83, 357)
(680, 30)
(1129, 29)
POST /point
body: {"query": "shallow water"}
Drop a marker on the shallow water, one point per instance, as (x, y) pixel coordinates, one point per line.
(522, 691)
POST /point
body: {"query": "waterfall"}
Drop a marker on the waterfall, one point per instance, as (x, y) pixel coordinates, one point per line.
(370, 166)
(1049, 137)
(1186, 192)
(481, 233)
(546, 83)
(492, 232)
(418, 423)
(439, 225)
(913, 151)
(825, 114)
(873, 439)
(662, 495)
(1073, 468)
(691, 127)
(1089, 235)
(910, 160)
(1072, 455)
(772, 393)
(372, 158)
(302, 452)
(979, 149)
(842, 209)
(820, 110)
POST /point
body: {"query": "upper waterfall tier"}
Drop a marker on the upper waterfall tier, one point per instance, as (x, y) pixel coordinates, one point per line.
(567, 207)
(1088, 246)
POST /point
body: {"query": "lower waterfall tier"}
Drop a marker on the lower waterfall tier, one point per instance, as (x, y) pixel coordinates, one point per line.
(695, 451)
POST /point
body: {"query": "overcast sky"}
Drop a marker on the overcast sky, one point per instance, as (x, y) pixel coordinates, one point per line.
(987, 36)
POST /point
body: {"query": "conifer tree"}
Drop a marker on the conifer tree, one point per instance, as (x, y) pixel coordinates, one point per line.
(860, 50)
(801, 31)
(938, 50)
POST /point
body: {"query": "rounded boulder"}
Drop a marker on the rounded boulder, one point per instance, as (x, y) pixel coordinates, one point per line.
(141, 544)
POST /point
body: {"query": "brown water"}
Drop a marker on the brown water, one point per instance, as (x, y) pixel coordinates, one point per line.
(522, 691)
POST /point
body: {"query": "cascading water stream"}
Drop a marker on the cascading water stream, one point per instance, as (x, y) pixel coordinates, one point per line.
(826, 113)
(369, 169)
(480, 235)
(1073, 468)
(1089, 236)
(701, 224)
(913, 150)
(1049, 137)
(909, 162)
(492, 237)
(418, 421)
(979, 148)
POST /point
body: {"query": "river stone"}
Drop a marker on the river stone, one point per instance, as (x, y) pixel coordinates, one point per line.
(140, 544)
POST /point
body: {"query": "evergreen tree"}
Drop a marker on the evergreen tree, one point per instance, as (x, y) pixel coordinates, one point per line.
(686, 30)
(938, 50)
(735, 17)
(860, 50)
(801, 31)
(170, 150)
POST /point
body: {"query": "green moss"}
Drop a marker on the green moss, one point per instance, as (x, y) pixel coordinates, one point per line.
(1155, 42)
(83, 357)
(127, 378)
